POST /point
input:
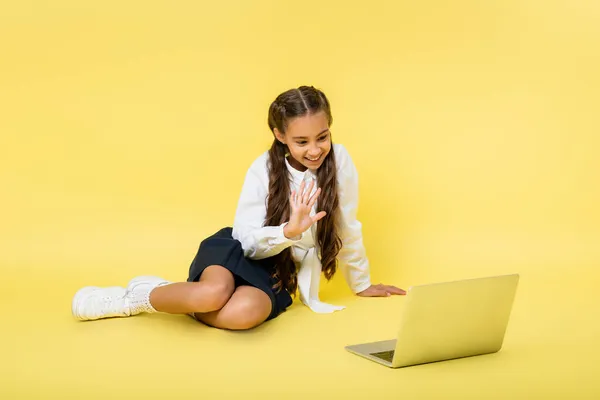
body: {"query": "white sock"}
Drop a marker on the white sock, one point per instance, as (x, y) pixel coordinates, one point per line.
(139, 301)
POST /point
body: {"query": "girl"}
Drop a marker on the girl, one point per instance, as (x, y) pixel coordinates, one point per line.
(281, 239)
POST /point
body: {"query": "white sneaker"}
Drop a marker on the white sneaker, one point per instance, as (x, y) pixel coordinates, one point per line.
(138, 293)
(91, 303)
(144, 283)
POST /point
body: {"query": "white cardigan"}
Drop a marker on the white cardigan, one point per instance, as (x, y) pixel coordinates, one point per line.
(260, 241)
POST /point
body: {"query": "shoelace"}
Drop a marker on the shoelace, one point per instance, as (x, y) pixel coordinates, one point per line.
(110, 304)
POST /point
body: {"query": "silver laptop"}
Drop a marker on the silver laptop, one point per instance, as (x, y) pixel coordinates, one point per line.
(445, 321)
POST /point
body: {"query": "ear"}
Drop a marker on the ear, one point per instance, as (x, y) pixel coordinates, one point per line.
(279, 136)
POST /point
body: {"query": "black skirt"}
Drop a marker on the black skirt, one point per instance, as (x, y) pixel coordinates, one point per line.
(222, 249)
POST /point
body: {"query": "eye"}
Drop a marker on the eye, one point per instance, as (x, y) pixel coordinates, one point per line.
(323, 138)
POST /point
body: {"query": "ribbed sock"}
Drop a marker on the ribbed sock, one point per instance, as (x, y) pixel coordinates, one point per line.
(139, 300)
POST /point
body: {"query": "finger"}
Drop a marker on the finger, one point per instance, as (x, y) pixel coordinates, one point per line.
(395, 290)
(374, 291)
(319, 216)
(301, 191)
(293, 198)
(306, 194)
(314, 197)
(391, 288)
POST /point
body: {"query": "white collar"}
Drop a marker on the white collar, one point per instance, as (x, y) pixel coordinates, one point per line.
(309, 173)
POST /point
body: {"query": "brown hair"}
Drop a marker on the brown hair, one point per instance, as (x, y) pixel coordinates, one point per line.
(291, 104)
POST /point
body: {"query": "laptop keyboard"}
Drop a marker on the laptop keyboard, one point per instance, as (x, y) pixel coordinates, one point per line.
(385, 355)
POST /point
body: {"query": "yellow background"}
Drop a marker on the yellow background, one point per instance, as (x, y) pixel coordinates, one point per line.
(126, 129)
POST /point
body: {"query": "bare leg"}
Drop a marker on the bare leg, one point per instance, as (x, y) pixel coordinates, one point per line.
(247, 308)
(211, 293)
(213, 300)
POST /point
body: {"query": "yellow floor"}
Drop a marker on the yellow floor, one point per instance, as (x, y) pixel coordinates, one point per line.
(551, 351)
(126, 130)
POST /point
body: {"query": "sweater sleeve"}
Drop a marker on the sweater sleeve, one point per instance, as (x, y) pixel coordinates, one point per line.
(258, 241)
(353, 260)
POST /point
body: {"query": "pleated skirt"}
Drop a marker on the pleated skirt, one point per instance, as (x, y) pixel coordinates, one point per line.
(222, 249)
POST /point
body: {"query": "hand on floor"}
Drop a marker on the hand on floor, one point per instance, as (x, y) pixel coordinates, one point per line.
(381, 291)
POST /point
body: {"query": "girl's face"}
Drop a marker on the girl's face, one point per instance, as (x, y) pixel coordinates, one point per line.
(309, 140)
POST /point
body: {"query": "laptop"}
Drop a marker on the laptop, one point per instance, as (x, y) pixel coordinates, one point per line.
(448, 320)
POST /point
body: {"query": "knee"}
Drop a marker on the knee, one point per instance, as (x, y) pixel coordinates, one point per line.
(247, 314)
(211, 296)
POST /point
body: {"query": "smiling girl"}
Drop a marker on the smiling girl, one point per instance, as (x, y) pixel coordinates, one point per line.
(295, 219)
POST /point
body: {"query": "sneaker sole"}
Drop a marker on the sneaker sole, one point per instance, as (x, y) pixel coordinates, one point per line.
(80, 296)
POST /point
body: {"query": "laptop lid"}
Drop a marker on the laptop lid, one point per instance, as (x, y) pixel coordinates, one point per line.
(449, 320)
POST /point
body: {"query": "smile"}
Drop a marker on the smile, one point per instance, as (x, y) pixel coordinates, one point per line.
(314, 159)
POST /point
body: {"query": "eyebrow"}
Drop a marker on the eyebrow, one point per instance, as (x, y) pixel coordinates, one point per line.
(319, 134)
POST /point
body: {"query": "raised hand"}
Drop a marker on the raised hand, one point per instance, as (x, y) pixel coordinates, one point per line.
(301, 205)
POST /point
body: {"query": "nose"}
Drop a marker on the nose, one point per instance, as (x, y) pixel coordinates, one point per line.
(314, 152)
